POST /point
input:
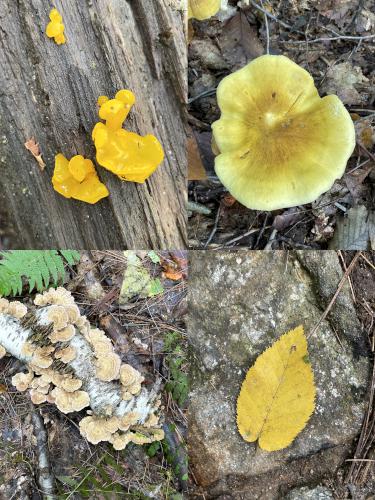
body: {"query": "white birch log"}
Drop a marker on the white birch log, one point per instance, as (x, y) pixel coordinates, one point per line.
(27, 336)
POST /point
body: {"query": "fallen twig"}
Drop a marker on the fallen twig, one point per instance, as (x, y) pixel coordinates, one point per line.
(267, 29)
(214, 229)
(333, 300)
(329, 39)
(45, 479)
(274, 18)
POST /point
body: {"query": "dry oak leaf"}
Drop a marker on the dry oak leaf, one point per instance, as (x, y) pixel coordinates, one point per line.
(277, 396)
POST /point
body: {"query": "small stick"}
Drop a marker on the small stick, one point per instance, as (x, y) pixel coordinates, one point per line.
(271, 240)
(267, 29)
(192, 206)
(349, 280)
(238, 238)
(214, 229)
(333, 300)
(45, 479)
(274, 18)
(368, 262)
(370, 155)
(329, 39)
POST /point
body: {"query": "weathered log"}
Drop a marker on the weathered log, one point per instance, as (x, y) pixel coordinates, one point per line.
(49, 92)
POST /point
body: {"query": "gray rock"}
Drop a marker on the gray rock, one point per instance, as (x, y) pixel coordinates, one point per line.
(240, 303)
(208, 54)
(318, 493)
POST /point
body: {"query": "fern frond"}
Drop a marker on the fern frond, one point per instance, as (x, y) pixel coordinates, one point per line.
(40, 268)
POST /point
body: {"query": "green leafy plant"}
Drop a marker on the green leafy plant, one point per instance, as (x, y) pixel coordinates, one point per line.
(177, 384)
(94, 479)
(40, 269)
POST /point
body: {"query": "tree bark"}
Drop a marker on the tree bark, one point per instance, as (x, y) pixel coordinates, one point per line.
(49, 92)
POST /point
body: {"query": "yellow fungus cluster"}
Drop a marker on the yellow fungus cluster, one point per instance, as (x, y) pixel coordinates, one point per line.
(128, 155)
(78, 179)
(55, 28)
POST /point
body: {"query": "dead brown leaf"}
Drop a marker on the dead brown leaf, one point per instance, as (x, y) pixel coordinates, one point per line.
(239, 42)
(365, 133)
(33, 147)
(286, 219)
(345, 80)
(196, 170)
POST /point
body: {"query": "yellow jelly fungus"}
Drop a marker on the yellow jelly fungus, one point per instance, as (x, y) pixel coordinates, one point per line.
(78, 179)
(55, 29)
(128, 155)
(280, 143)
(102, 99)
(203, 9)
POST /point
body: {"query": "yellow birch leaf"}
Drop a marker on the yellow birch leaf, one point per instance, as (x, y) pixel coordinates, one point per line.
(277, 396)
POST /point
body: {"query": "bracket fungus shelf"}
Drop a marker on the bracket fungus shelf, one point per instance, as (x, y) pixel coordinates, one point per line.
(280, 144)
(73, 365)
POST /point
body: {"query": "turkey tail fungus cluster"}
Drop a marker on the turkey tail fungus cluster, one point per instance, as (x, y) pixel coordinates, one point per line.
(73, 365)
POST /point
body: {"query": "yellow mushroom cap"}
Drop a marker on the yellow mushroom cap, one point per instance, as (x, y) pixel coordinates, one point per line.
(2, 351)
(203, 9)
(281, 145)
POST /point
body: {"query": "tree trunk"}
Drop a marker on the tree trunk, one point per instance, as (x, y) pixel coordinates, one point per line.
(49, 92)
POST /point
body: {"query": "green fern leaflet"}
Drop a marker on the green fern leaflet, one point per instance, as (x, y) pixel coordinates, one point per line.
(40, 268)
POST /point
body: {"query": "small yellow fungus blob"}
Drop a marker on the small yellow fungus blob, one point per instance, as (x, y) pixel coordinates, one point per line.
(128, 155)
(102, 99)
(78, 179)
(203, 9)
(55, 28)
(280, 144)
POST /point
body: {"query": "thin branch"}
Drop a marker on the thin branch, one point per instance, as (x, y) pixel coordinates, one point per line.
(333, 300)
(329, 39)
(45, 479)
(214, 228)
(267, 28)
(274, 18)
